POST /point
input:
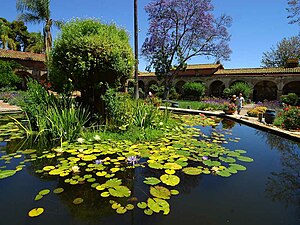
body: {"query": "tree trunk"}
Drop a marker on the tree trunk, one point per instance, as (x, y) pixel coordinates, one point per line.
(136, 51)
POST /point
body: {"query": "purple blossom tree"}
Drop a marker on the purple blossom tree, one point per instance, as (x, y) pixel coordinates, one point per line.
(180, 30)
(294, 10)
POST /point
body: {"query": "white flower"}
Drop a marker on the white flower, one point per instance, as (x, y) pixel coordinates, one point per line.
(161, 123)
(80, 140)
(97, 137)
(75, 169)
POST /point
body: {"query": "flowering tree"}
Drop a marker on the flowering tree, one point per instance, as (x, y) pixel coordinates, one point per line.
(294, 10)
(180, 30)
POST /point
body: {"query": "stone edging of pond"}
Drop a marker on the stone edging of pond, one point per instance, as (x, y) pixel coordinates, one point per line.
(249, 121)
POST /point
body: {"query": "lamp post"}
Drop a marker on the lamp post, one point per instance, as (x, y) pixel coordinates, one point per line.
(136, 51)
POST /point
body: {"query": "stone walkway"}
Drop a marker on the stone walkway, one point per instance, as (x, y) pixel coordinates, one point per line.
(244, 119)
(7, 108)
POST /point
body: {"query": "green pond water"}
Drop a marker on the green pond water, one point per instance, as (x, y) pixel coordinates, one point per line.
(267, 192)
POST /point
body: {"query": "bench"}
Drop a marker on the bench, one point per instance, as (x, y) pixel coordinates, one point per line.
(173, 103)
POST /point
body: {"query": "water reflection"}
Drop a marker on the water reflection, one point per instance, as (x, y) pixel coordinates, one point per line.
(284, 186)
(228, 124)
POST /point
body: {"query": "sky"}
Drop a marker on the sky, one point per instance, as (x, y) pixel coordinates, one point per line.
(257, 24)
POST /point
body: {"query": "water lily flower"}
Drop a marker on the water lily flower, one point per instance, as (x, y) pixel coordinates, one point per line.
(205, 157)
(132, 159)
(75, 169)
(97, 137)
(98, 162)
(80, 140)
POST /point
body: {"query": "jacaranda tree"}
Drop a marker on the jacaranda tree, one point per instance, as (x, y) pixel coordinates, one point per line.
(294, 11)
(180, 30)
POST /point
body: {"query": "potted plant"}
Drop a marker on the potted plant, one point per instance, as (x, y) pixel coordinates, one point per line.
(229, 108)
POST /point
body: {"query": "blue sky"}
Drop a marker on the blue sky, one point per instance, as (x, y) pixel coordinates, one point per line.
(257, 24)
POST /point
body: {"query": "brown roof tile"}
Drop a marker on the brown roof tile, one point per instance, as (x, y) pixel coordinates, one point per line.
(244, 71)
(10, 54)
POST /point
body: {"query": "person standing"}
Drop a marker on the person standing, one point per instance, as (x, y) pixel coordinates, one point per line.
(239, 102)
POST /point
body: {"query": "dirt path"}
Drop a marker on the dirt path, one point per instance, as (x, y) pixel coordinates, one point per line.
(5, 107)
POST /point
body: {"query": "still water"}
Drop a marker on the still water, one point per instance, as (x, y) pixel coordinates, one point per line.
(267, 193)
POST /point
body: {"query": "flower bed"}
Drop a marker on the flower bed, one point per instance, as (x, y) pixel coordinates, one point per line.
(288, 118)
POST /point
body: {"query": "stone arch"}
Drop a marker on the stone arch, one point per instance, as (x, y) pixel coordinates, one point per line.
(179, 85)
(291, 87)
(142, 85)
(237, 81)
(265, 90)
(216, 88)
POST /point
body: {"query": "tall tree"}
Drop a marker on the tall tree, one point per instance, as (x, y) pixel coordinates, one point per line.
(35, 43)
(20, 34)
(6, 42)
(278, 55)
(180, 30)
(38, 11)
(294, 10)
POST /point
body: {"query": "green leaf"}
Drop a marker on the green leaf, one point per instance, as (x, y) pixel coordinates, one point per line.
(44, 192)
(77, 201)
(6, 173)
(171, 180)
(237, 167)
(152, 180)
(105, 194)
(174, 192)
(192, 171)
(35, 212)
(38, 197)
(160, 192)
(120, 191)
(224, 173)
(121, 210)
(129, 207)
(113, 182)
(245, 159)
(58, 190)
(148, 212)
(142, 205)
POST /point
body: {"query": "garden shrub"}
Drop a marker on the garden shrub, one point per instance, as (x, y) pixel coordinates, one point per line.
(159, 91)
(236, 88)
(257, 110)
(193, 90)
(288, 118)
(290, 99)
(90, 54)
(8, 79)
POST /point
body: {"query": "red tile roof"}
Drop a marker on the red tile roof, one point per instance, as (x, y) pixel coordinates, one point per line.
(10, 54)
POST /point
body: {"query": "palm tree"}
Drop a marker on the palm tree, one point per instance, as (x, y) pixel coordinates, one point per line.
(38, 11)
(6, 41)
(136, 51)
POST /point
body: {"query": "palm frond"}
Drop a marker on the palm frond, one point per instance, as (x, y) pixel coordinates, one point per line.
(28, 17)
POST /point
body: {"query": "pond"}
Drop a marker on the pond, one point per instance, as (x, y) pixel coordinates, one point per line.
(268, 192)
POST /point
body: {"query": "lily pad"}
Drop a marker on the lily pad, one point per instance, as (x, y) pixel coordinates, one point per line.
(142, 205)
(121, 210)
(35, 212)
(58, 190)
(171, 180)
(44, 192)
(245, 159)
(160, 192)
(119, 191)
(192, 171)
(77, 201)
(6, 173)
(152, 180)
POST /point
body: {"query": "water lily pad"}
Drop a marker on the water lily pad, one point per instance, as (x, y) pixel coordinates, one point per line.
(142, 205)
(121, 210)
(148, 212)
(237, 166)
(77, 201)
(160, 192)
(173, 166)
(58, 190)
(6, 173)
(35, 212)
(192, 171)
(105, 194)
(170, 171)
(157, 205)
(38, 197)
(88, 157)
(129, 207)
(171, 180)
(113, 182)
(245, 159)
(224, 173)
(44, 192)
(174, 192)
(115, 205)
(155, 165)
(101, 173)
(152, 180)
(120, 191)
